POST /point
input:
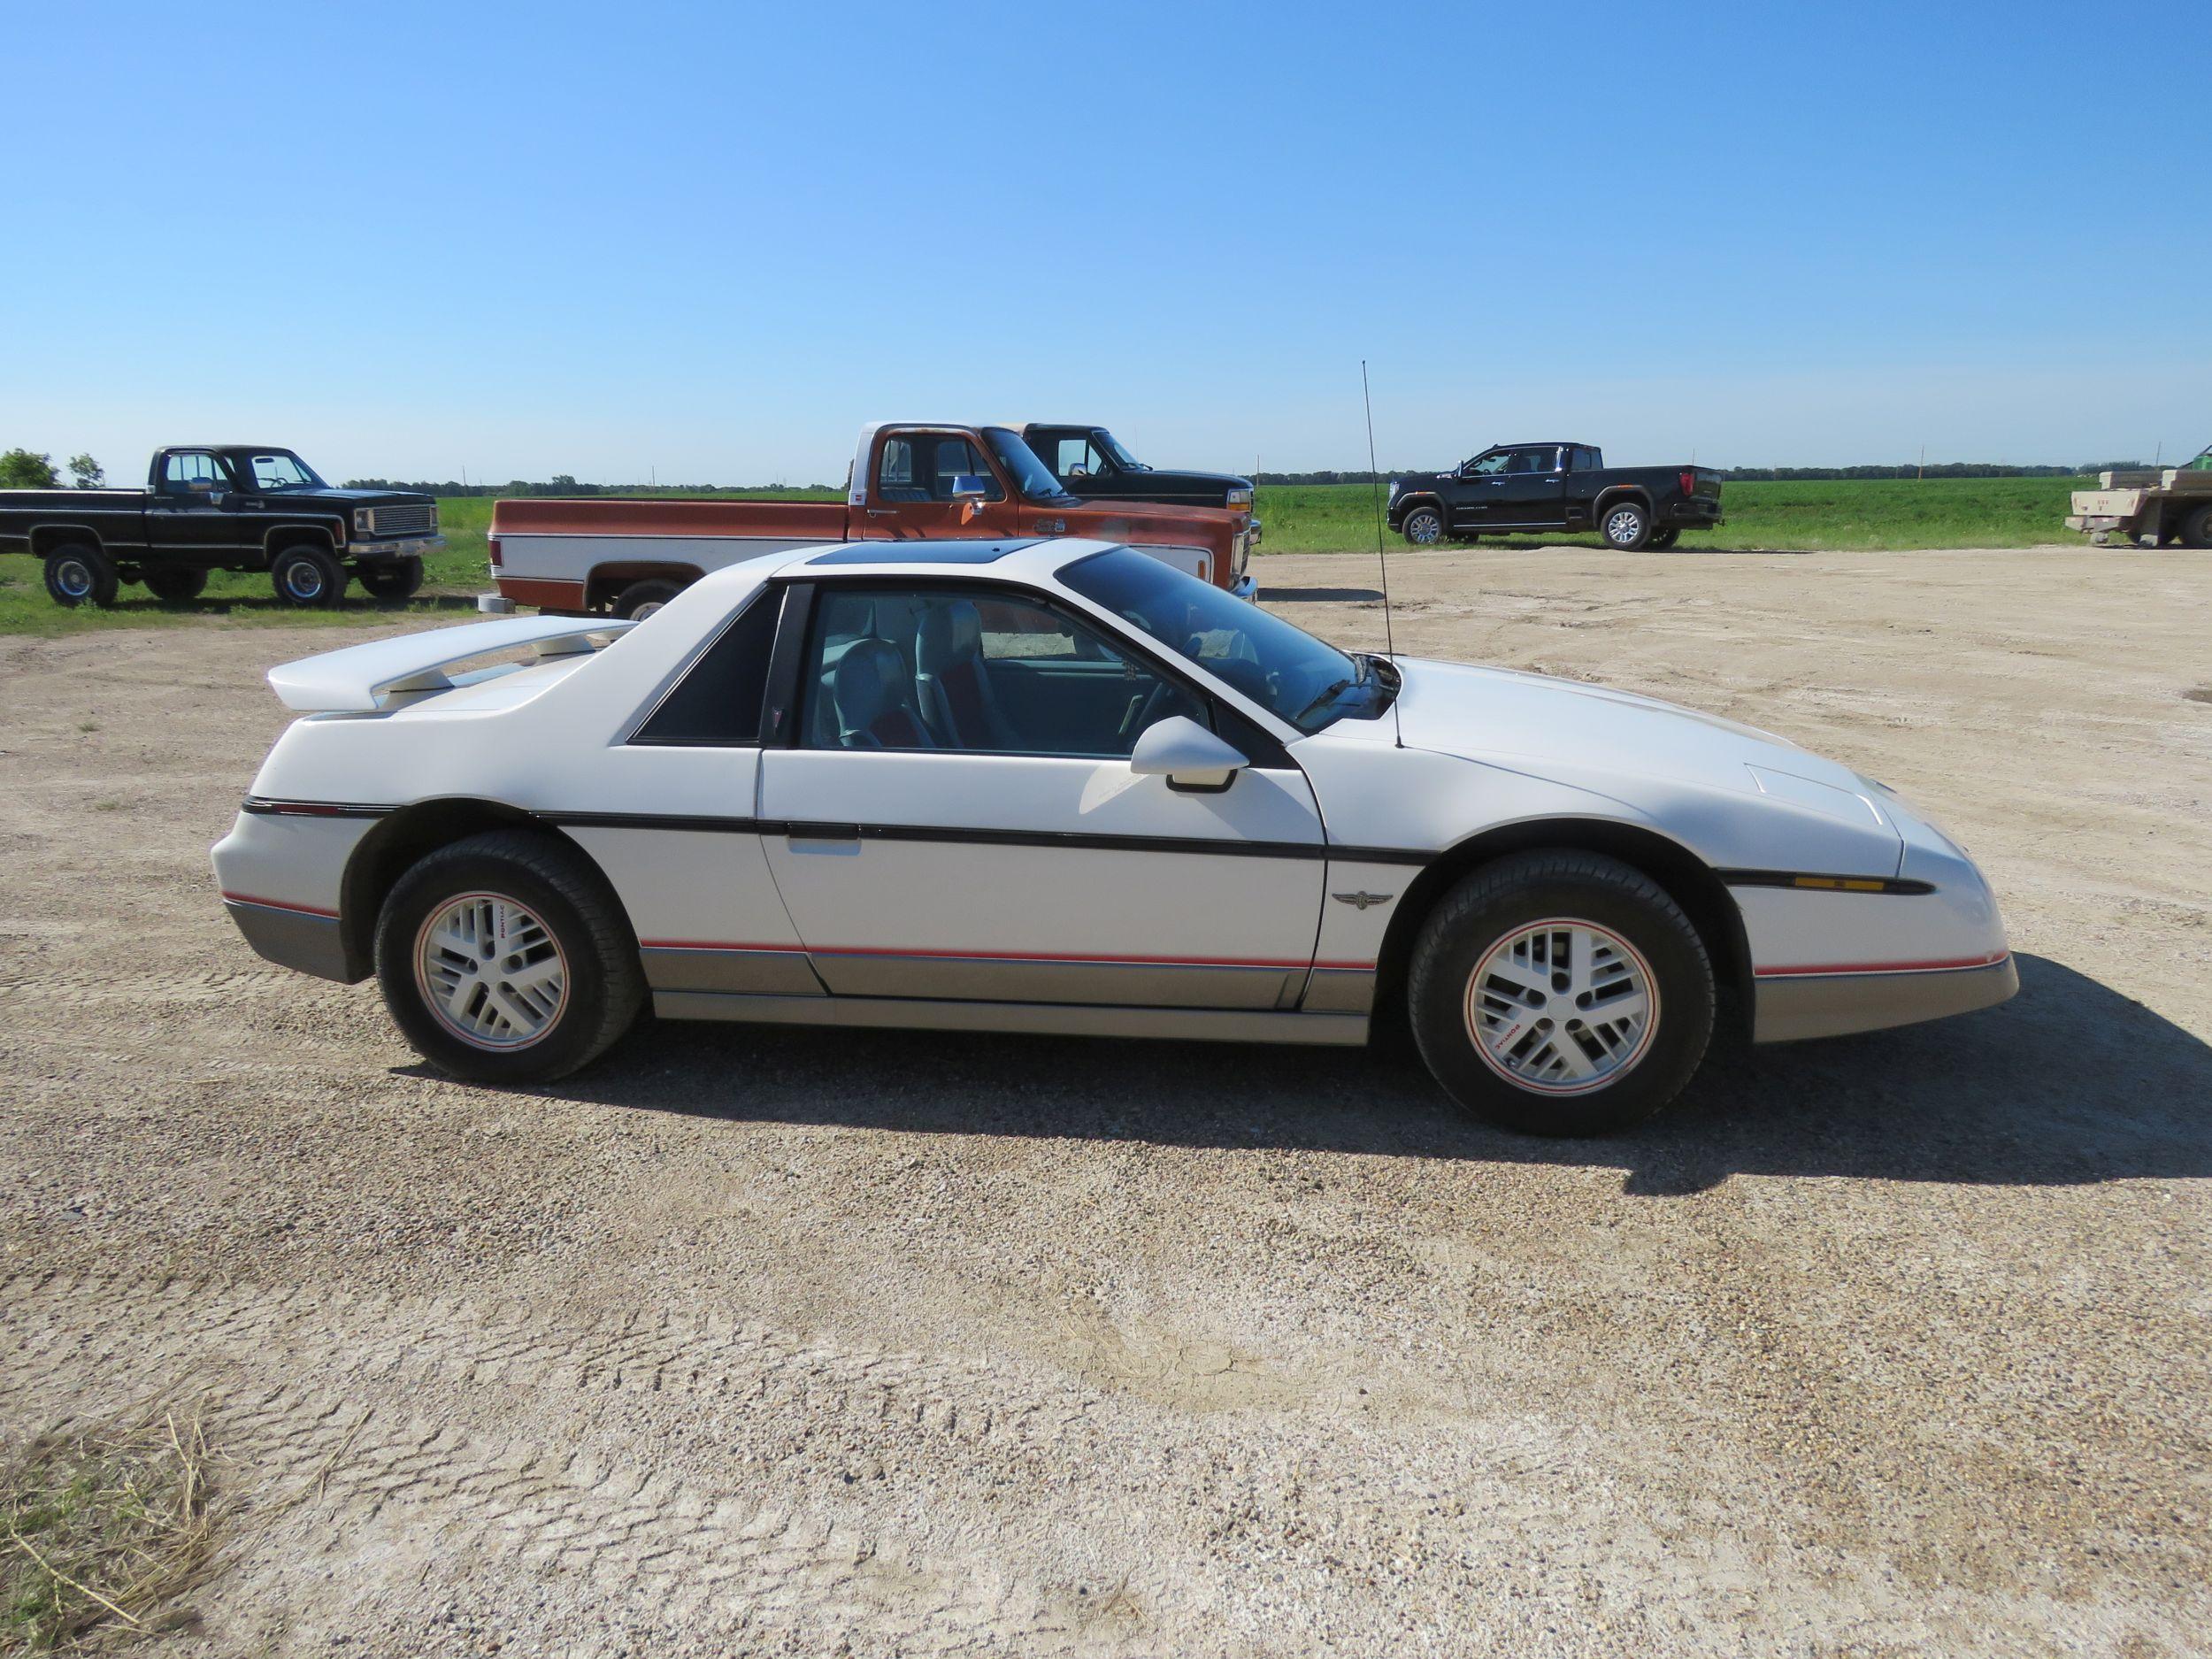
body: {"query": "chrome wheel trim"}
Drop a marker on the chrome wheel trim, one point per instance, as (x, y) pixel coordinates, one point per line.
(647, 610)
(1562, 1007)
(1425, 527)
(74, 577)
(490, 971)
(302, 580)
(1620, 525)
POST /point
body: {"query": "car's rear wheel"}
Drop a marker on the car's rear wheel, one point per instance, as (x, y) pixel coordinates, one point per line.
(80, 574)
(639, 599)
(176, 586)
(1423, 526)
(399, 579)
(1560, 993)
(1626, 525)
(2196, 529)
(505, 958)
(1664, 539)
(308, 577)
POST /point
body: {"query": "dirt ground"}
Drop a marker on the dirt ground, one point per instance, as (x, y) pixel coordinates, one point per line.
(811, 1342)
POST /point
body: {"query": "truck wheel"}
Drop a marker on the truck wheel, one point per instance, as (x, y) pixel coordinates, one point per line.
(176, 586)
(1664, 539)
(504, 959)
(398, 579)
(2196, 529)
(1423, 526)
(1560, 993)
(78, 574)
(1626, 525)
(308, 577)
(640, 600)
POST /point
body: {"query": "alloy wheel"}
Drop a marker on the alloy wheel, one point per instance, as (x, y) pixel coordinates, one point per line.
(1562, 1007)
(490, 971)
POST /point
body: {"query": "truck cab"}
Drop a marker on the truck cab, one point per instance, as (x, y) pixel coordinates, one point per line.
(1090, 462)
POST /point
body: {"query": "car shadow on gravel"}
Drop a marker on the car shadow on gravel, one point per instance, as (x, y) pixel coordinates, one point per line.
(2069, 1083)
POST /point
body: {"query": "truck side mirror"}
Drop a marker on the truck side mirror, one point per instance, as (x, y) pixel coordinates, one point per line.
(970, 487)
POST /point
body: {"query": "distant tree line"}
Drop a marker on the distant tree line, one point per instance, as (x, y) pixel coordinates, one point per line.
(26, 469)
(559, 484)
(1944, 469)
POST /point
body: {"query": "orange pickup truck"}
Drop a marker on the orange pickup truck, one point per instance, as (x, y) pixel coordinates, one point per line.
(630, 556)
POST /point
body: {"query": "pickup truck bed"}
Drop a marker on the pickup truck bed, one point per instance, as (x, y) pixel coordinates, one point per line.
(629, 556)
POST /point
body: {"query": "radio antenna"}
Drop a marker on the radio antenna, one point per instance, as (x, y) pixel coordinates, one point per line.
(1382, 563)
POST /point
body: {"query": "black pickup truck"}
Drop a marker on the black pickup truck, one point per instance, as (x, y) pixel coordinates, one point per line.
(223, 507)
(1094, 465)
(1514, 488)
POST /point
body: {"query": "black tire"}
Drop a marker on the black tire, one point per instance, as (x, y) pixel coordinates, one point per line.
(604, 984)
(80, 573)
(1625, 525)
(308, 577)
(2196, 529)
(1422, 526)
(398, 578)
(1664, 539)
(1524, 890)
(646, 597)
(176, 586)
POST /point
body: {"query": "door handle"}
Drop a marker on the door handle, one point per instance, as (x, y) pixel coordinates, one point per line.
(837, 839)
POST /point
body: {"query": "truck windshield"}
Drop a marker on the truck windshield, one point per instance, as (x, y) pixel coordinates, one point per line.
(1117, 449)
(281, 470)
(1031, 476)
(1284, 669)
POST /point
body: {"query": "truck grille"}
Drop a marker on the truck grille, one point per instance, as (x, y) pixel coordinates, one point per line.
(401, 520)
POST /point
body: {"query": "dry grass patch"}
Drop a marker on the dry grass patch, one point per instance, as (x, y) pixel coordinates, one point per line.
(100, 1527)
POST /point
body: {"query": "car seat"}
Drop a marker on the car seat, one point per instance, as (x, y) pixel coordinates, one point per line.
(875, 699)
(956, 690)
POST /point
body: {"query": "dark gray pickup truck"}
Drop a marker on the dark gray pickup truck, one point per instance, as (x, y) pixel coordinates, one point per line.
(223, 507)
(1523, 489)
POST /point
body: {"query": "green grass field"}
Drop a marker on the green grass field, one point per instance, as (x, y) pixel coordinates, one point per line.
(1849, 515)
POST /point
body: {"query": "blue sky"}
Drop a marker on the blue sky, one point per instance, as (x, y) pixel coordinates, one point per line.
(708, 241)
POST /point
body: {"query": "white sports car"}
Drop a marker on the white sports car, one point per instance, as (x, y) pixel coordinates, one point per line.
(1060, 787)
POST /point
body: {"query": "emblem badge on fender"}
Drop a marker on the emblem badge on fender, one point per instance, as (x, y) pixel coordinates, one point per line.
(1361, 901)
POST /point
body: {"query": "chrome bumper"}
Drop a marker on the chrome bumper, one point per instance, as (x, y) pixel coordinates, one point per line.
(405, 547)
(1246, 586)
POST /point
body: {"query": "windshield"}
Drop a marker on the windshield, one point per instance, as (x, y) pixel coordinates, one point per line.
(1307, 681)
(1031, 476)
(281, 470)
(1117, 450)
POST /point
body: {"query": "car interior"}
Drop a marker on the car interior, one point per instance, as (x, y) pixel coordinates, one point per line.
(975, 672)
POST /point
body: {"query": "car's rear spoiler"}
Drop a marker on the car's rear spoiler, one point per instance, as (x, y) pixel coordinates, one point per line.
(385, 673)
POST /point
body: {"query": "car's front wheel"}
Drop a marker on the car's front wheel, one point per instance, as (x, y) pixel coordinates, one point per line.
(1560, 993)
(307, 577)
(1423, 526)
(505, 958)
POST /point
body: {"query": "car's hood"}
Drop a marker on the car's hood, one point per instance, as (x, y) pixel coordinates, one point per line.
(1590, 734)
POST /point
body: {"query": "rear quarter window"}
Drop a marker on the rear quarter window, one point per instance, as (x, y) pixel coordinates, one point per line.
(717, 703)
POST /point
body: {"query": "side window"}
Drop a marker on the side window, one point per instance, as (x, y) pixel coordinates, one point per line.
(717, 703)
(1489, 466)
(954, 458)
(975, 671)
(1526, 461)
(1072, 458)
(895, 473)
(193, 472)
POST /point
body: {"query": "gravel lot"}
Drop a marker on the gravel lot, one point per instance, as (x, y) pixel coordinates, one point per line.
(812, 1342)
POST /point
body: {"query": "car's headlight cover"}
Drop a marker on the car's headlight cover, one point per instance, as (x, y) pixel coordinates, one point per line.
(364, 520)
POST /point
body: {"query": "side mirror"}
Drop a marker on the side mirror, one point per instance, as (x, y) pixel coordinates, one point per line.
(1192, 759)
(970, 487)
